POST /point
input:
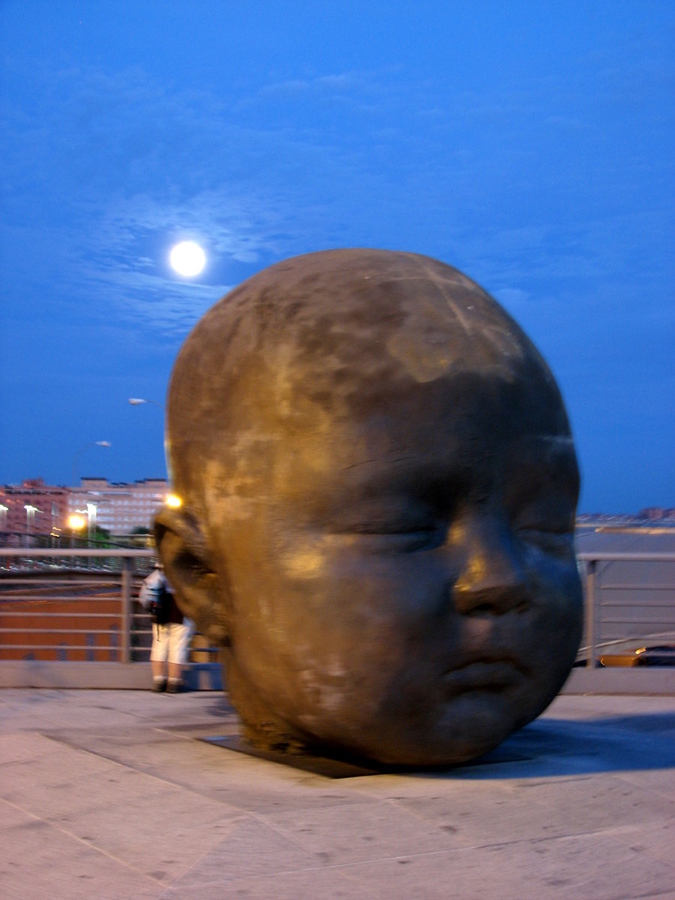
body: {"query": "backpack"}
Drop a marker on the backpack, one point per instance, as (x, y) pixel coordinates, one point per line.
(160, 605)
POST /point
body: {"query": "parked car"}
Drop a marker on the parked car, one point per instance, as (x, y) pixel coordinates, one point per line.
(656, 655)
(660, 655)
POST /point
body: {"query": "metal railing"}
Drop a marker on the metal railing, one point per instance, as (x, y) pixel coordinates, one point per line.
(629, 603)
(71, 618)
(73, 604)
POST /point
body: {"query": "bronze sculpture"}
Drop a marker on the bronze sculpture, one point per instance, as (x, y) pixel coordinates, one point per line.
(379, 489)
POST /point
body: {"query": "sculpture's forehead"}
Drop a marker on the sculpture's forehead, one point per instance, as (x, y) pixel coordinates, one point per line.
(364, 287)
(344, 346)
(352, 308)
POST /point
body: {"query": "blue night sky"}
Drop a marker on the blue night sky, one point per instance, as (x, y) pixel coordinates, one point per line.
(528, 144)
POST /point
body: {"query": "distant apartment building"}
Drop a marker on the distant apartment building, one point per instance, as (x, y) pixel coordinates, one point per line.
(35, 508)
(119, 508)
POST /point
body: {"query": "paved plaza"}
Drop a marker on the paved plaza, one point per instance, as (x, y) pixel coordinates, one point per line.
(112, 794)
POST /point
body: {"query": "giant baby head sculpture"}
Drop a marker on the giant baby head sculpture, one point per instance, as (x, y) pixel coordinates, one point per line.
(379, 488)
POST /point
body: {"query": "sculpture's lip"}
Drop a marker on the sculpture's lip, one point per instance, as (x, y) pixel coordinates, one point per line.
(496, 674)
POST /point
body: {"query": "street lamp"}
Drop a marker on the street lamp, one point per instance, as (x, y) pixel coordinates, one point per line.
(91, 521)
(30, 517)
(139, 401)
(81, 451)
(76, 523)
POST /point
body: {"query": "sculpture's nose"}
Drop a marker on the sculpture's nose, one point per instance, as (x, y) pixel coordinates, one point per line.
(492, 579)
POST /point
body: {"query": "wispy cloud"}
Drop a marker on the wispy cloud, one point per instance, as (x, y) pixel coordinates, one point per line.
(372, 157)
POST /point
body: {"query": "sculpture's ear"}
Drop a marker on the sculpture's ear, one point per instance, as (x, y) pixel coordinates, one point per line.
(198, 589)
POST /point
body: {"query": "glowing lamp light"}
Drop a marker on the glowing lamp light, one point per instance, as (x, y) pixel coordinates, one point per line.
(173, 501)
(77, 523)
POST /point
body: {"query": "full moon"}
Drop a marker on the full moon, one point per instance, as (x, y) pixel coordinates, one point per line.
(187, 258)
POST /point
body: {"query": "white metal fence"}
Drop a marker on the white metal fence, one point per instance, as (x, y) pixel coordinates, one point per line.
(629, 603)
(71, 618)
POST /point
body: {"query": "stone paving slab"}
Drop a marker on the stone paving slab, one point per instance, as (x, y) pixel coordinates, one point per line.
(39, 860)
(113, 794)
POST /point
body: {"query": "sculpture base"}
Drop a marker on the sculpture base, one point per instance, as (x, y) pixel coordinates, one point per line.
(317, 765)
(341, 768)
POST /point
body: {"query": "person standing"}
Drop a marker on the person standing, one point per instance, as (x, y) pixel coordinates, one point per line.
(171, 632)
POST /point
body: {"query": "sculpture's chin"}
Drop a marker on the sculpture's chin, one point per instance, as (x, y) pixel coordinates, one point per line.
(453, 734)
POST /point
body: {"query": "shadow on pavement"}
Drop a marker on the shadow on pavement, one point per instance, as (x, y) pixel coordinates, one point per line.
(549, 747)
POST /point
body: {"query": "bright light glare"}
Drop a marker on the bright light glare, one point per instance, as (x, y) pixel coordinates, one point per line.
(76, 522)
(187, 258)
(173, 501)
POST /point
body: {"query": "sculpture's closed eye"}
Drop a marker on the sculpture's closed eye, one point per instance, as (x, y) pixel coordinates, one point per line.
(551, 541)
(400, 539)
